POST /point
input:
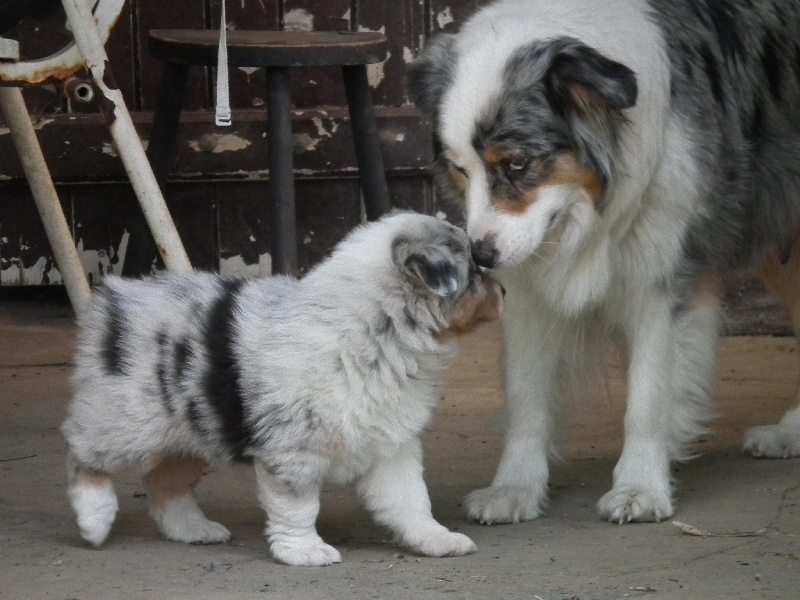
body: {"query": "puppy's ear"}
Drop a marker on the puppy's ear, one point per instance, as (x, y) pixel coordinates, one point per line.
(431, 73)
(584, 78)
(428, 266)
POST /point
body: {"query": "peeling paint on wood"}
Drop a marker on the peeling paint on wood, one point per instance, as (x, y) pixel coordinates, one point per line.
(444, 18)
(236, 266)
(218, 143)
(298, 19)
(375, 72)
(78, 146)
(100, 262)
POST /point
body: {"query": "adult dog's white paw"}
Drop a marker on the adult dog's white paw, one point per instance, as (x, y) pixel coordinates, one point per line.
(505, 504)
(445, 543)
(315, 554)
(633, 503)
(773, 441)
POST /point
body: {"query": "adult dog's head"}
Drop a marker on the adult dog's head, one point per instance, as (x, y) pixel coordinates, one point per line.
(530, 136)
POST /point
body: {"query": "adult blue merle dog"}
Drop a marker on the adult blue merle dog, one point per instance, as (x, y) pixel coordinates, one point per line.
(619, 160)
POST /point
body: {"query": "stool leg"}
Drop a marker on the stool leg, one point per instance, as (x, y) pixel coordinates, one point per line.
(365, 135)
(161, 147)
(281, 173)
(141, 250)
(44, 193)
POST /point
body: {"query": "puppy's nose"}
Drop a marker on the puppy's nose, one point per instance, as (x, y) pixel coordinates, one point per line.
(484, 253)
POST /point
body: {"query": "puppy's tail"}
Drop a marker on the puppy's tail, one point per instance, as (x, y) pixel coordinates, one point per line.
(92, 496)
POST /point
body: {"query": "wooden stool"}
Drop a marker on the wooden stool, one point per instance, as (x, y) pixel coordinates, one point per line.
(276, 52)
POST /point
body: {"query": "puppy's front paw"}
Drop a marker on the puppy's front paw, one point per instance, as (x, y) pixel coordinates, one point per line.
(773, 441)
(505, 504)
(445, 543)
(634, 503)
(300, 553)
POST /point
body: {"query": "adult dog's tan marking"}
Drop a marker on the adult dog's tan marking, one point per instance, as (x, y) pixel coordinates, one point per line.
(566, 170)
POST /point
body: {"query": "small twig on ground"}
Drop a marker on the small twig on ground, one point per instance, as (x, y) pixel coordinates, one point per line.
(696, 531)
(17, 458)
(642, 588)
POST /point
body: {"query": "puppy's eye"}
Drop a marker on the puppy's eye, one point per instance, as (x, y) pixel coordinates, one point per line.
(517, 164)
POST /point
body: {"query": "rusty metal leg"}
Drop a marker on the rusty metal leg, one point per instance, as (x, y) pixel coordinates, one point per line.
(281, 173)
(44, 193)
(365, 135)
(160, 153)
(125, 137)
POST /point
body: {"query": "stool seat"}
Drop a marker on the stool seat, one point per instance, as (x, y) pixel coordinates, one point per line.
(269, 48)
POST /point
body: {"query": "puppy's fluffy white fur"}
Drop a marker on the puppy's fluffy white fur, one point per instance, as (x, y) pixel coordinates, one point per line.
(332, 377)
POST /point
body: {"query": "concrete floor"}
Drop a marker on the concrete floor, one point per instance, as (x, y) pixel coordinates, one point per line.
(567, 554)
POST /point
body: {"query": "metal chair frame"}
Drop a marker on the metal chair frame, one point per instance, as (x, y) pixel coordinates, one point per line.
(90, 29)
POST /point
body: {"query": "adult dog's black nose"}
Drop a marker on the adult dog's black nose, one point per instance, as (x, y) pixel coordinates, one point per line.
(484, 253)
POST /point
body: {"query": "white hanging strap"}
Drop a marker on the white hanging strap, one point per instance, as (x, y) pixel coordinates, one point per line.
(223, 107)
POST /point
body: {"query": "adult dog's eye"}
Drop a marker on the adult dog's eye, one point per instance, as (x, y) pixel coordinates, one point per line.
(461, 170)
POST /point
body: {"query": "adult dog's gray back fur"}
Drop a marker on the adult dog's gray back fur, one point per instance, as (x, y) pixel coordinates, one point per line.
(735, 76)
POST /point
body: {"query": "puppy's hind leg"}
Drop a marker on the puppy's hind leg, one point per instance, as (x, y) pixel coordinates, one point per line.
(781, 440)
(394, 490)
(170, 494)
(93, 500)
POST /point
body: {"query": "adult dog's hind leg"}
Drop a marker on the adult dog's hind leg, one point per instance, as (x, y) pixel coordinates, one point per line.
(671, 376)
(170, 494)
(532, 346)
(782, 439)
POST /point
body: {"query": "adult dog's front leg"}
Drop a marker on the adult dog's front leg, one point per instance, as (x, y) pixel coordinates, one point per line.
(395, 492)
(519, 489)
(670, 380)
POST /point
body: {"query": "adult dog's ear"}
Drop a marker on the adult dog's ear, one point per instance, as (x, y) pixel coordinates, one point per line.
(590, 91)
(429, 266)
(581, 77)
(431, 73)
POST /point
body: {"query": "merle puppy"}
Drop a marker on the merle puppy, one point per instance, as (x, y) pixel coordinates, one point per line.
(331, 377)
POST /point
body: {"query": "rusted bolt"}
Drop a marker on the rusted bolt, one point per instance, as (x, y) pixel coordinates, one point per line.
(78, 90)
